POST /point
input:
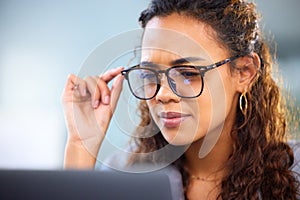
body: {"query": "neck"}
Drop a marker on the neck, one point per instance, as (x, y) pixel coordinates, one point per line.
(212, 166)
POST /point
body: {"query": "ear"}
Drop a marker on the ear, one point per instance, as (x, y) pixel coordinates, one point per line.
(246, 68)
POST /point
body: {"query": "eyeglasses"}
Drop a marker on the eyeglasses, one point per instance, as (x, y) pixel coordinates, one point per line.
(185, 81)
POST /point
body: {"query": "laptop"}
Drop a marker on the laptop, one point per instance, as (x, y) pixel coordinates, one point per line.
(83, 185)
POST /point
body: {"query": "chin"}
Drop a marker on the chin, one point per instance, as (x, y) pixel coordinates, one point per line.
(183, 136)
(176, 139)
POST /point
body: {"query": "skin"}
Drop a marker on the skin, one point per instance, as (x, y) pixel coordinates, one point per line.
(86, 108)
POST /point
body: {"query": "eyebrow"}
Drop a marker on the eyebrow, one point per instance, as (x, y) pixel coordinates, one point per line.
(148, 64)
(186, 60)
(179, 61)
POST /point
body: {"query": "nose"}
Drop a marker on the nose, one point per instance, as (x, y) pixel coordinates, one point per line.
(165, 93)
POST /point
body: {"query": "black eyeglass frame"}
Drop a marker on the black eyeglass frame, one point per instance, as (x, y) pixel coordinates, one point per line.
(202, 70)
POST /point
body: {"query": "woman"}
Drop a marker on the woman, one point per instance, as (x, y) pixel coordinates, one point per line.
(248, 157)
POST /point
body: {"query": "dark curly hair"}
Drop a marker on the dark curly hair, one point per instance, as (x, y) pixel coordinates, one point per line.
(261, 158)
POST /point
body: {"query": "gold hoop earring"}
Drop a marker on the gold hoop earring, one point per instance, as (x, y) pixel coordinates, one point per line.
(243, 103)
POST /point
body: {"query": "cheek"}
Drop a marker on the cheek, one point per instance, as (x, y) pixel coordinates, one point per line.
(152, 110)
(219, 89)
(203, 116)
(150, 104)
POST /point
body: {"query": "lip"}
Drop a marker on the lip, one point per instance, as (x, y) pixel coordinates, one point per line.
(172, 119)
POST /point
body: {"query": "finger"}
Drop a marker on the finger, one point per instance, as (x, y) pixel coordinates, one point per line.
(82, 88)
(110, 74)
(76, 85)
(105, 91)
(70, 82)
(116, 91)
(91, 84)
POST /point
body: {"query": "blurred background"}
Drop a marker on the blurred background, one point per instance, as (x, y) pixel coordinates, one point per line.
(41, 42)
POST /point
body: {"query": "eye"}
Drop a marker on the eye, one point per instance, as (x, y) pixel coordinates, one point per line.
(147, 74)
(186, 72)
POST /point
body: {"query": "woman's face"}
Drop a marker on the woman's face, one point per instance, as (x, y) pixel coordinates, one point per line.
(183, 121)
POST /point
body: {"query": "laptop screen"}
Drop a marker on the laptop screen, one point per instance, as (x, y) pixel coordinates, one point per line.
(83, 185)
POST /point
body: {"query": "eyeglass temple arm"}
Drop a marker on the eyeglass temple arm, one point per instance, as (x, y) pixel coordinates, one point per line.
(217, 64)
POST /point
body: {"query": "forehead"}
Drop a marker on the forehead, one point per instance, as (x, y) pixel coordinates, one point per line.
(166, 41)
(179, 36)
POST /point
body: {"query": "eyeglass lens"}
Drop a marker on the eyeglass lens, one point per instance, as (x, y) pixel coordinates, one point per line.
(185, 81)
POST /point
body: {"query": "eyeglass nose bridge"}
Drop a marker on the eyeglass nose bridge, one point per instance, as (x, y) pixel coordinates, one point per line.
(159, 76)
(160, 72)
(169, 81)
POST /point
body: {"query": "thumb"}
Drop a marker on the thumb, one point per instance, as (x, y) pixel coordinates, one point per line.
(116, 91)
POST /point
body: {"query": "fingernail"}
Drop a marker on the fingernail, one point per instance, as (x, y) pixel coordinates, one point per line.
(96, 103)
(106, 99)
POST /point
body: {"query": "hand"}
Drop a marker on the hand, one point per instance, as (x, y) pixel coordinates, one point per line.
(88, 108)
